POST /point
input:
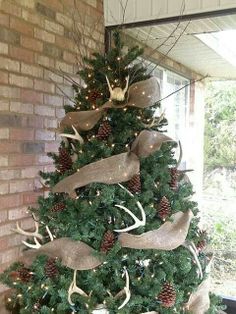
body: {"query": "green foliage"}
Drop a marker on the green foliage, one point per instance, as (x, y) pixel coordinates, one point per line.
(220, 126)
(89, 216)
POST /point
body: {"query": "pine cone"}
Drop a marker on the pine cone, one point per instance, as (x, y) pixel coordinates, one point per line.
(134, 185)
(58, 207)
(50, 268)
(164, 209)
(24, 274)
(167, 296)
(64, 160)
(108, 241)
(174, 173)
(104, 131)
(94, 95)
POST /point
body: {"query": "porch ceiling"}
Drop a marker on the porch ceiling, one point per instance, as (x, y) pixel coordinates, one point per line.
(189, 50)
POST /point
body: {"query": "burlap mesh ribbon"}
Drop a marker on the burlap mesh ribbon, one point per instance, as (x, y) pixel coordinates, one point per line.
(80, 256)
(199, 301)
(141, 95)
(115, 169)
(168, 237)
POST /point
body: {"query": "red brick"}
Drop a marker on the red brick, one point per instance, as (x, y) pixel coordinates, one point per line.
(21, 160)
(4, 188)
(21, 134)
(10, 8)
(44, 135)
(31, 96)
(32, 17)
(4, 133)
(43, 35)
(50, 147)
(36, 122)
(3, 216)
(9, 92)
(60, 113)
(53, 100)
(3, 161)
(65, 42)
(21, 108)
(30, 198)
(22, 54)
(51, 124)
(55, 5)
(43, 159)
(65, 67)
(3, 77)
(4, 48)
(21, 26)
(69, 57)
(9, 147)
(21, 81)
(45, 111)
(9, 64)
(18, 213)
(9, 174)
(4, 105)
(44, 86)
(9, 255)
(30, 172)
(4, 19)
(21, 186)
(10, 201)
(44, 61)
(31, 70)
(31, 43)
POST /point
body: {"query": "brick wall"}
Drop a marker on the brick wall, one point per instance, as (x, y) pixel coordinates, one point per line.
(34, 35)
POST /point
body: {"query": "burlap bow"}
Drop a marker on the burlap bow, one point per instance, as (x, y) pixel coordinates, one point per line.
(115, 169)
(141, 95)
(80, 256)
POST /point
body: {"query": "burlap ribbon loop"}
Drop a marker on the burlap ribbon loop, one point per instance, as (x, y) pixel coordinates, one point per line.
(141, 95)
(115, 169)
(199, 301)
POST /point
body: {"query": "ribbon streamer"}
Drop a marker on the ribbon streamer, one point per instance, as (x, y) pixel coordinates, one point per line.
(80, 256)
(169, 236)
(141, 95)
(199, 301)
(115, 169)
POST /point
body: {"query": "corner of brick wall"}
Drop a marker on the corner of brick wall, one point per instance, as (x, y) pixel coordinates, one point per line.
(34, 35)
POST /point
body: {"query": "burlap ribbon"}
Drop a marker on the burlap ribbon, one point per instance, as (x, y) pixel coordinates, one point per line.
(115, 169)
(199, 301)
(74, 254)
(141, 95)
(169, 236)
(80, 256)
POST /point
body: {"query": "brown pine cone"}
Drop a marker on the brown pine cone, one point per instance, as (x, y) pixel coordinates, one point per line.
(167, 296)
(25, 274)
(58, 207)
(174, 173)
(108, 241)
(94, 95)
(202, 241)
(50, 268)
(104, 131)
(134, 185)
(64, 160)
(164, 209)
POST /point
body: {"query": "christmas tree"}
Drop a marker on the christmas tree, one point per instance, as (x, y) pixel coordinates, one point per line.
(117, 232)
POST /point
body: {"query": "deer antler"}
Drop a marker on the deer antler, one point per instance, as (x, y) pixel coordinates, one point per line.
(155, 121)
(109, 85)
(127, 84)
(126, 289)
(37, 245)
(75, 289)
(75, 136)
(138, 222)
(35, 234)
(192, 248)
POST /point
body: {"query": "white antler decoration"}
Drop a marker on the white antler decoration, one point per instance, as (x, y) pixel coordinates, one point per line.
(138, 222)
(118, 93)
(75, 136)
(34, 234)
(192, 248)
(75, 289)
(126, 290)
(155, 121)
